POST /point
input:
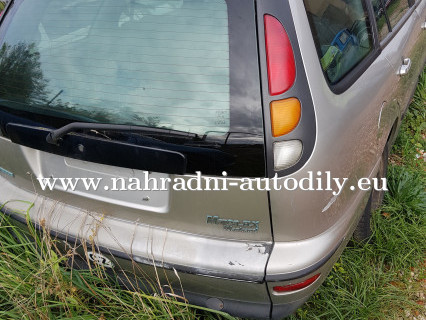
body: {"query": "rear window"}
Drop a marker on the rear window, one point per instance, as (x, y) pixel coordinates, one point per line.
(342, 34)
(185, 65)
(143, 62)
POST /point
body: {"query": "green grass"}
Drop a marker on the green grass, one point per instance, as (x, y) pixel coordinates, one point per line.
(35, 284)
(379, 279)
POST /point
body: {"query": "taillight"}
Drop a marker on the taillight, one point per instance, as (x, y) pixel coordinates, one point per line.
(287, 154)
(280, 57)
(285, 116)
(296, 286)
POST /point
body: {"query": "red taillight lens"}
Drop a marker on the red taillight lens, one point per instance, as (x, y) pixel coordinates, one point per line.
(280, 57)
(296, 286)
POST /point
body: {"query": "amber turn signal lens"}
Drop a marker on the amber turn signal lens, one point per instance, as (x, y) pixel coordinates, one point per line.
(285, 116)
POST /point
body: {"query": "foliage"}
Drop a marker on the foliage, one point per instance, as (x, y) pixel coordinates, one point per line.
(21, 77)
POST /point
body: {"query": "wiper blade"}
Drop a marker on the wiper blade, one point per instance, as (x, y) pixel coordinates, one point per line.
(56, 135)
(41, 109)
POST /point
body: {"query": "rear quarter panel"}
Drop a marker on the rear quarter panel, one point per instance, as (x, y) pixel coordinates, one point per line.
(346, 144)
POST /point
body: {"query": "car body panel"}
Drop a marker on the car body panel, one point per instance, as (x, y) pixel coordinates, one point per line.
(146, 243)
(347, 127)
(28, 164)
(399, 45)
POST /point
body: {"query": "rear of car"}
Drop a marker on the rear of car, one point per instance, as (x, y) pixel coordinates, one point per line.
(144, 93)
(180, 72)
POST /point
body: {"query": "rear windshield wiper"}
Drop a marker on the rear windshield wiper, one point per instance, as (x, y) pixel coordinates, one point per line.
(56, 135)
(92, 149)
(144, 153)
(41, 109)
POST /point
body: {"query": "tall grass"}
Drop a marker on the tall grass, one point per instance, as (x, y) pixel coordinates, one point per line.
(36, 284)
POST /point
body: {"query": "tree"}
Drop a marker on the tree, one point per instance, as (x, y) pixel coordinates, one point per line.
(21, 76)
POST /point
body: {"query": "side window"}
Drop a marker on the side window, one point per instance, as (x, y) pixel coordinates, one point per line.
(395, 10)
(381, 19)
(388, 13)
(342, 34)
(2, 6)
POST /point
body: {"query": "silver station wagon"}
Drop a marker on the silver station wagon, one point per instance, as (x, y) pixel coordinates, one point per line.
(110, 98)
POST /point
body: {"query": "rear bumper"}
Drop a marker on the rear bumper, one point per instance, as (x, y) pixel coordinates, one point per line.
(219, 274)
(203, 290)
(254, 299)
(186, 252)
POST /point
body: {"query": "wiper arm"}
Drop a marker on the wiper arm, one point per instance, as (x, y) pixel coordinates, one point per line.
(55, 135)
(87, 148)
(54, 98)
